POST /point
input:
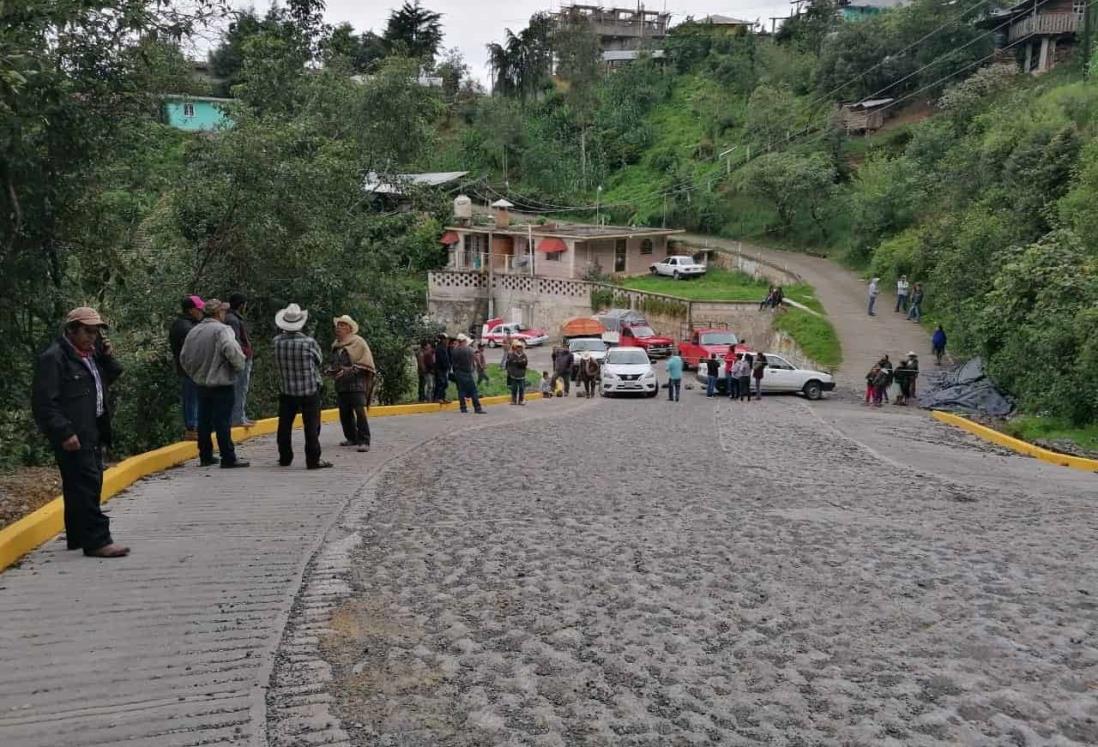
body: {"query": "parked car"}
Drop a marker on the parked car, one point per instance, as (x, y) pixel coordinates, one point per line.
(783, 376)
(678, 266)
(495, 331)
(628, 371)
(593, 346)
(703, 342)
(633, 330)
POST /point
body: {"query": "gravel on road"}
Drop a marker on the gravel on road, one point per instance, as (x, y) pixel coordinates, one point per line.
(644, 573)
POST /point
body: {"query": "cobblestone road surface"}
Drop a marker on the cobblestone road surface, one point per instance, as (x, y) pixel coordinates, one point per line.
(641, 573)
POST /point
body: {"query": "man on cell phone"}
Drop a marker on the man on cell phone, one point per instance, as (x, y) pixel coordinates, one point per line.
(71, 408)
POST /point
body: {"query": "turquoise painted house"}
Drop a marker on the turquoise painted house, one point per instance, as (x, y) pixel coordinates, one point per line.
(197, 113)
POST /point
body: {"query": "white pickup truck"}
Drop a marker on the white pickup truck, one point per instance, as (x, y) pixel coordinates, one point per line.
(678, 266)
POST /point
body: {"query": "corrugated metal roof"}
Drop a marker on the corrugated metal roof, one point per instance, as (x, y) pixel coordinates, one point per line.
(374, 183)
(618, 55)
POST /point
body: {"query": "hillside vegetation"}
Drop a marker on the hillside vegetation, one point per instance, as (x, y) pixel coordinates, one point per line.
(990, 202)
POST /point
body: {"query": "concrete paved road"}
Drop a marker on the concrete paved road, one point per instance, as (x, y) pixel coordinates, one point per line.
(175, 644)
(639, 572)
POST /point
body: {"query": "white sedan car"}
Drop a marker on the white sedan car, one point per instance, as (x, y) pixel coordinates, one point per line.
(628, 371)
(782, 376)
(678, 266)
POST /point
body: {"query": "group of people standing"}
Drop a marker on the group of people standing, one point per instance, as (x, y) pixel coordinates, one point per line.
(882, 375)
(449, 360)
(738, 371)
(212, 353)
(909, 297)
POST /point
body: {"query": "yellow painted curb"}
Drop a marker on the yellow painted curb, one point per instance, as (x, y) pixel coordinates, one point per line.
(1015, 444)
(26, 534)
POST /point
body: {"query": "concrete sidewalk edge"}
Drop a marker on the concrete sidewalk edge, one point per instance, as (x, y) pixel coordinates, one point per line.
(1015, 444)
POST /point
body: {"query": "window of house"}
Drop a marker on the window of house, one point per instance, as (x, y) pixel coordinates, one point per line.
(619, 255)
(553, 256)
(1078, 7)
(646, 246)
(188, 110)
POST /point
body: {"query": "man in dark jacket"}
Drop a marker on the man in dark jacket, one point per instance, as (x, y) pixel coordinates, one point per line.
(71, 408)
(463, 361)
(562, 369)
(183, 324)
(238, 304)
(442, 369)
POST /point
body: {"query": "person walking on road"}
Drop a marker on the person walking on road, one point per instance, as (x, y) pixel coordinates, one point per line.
(674, 377)
(758, 370)
(464, 366)
(902, 288)
(442, 370)
(427, 380)
(730, 382)
(516, 363)
(235, 319)
(181, 327)
(912, 376)
(562, 369)
(881, 379)
(900, 376)
(885, 365)
(353, 370)
(741, 372)
(915, 313)
(588, 374)
(938, 344)
(212, 357)
(712, 373)
(482, 365)
(298, 360)
(874, 291)
(71, 407)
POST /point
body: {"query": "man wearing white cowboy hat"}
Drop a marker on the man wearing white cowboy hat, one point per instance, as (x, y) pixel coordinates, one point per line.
(298, 359)
(463, 363)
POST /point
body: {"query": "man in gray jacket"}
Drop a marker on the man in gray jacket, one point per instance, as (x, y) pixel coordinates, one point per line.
(212, 357)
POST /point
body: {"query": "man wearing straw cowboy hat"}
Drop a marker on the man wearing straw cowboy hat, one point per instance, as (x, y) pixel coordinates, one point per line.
(354, 372)
(71, 407)
(298, 359)
(463, 361)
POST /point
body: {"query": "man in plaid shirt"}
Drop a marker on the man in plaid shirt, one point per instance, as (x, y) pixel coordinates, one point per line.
(298, 358)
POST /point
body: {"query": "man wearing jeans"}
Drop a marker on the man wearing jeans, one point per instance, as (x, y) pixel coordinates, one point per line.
(713, 371)
(298, 359)
(874, 291)
(463, 361)
(212, 357)
(902, 289)
(235, 319)
(674, 377)
(192, 314)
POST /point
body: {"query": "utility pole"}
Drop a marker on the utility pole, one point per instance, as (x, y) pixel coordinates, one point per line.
(491, 302)
(598, 194)
(1088, 30)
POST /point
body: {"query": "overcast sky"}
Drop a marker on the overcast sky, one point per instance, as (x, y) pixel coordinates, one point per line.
(470, 25)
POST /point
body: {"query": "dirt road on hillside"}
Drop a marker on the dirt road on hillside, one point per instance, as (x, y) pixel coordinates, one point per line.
(843, 294)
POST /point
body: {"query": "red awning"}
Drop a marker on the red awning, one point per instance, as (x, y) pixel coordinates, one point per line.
(449, 237)
(552, 245)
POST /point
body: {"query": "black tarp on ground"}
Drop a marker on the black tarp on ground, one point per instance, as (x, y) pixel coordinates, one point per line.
(966, 389)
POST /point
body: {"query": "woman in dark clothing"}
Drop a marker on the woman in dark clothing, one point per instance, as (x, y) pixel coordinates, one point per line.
(516, 364)
(352, 368)
(758, 369)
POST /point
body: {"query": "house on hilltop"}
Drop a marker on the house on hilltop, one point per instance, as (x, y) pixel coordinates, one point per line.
(859, 10)
(195, 113)
(623, 33)
(1046, 32)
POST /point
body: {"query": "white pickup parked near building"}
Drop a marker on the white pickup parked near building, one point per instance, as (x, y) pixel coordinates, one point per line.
(678, 266)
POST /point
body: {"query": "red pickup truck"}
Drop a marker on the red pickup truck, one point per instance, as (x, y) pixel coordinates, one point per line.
(702, 343)
(633, 330)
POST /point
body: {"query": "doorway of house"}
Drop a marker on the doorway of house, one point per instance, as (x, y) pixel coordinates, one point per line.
(619, 255)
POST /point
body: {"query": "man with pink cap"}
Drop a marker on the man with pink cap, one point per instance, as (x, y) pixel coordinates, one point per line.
(192, 307)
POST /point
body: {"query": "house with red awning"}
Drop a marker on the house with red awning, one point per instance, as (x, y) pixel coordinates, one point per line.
(571, 250)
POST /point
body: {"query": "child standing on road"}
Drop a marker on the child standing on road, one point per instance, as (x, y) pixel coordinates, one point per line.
(870, 378)
(546, 385)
